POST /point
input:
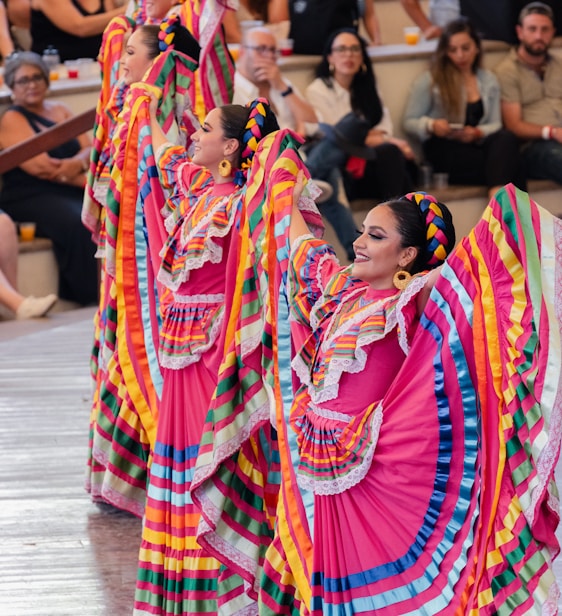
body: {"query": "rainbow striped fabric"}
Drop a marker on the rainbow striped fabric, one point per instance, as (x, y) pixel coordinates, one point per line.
(458, 512)
(236, 479)
(128, 378)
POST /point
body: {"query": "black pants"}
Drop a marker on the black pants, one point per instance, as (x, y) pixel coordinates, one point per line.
(494, 161)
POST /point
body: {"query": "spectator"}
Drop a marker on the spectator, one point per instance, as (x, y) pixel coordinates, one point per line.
(530, 79)
(48, 189)
(70, 26)
(23, 307)
(313, 21)
(258, 75)
(346, 83)
(454, 109)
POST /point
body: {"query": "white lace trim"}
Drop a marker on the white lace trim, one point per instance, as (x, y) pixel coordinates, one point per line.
(412, 289)
(351, 479)
(228, 449)
(549, 455)
(328, 414)
(336, 367)
(321, 300)
(202, 298)
(175, 362)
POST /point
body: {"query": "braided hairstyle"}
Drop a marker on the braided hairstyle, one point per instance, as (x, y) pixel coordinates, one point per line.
(248, 125)
(426, 224)
(170, 34)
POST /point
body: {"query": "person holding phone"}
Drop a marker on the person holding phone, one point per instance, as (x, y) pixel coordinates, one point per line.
(454, 110)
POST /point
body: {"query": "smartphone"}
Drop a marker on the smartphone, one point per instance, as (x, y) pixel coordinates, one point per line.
(456, 125)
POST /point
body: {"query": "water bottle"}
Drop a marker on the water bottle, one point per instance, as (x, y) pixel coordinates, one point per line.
(51, 58)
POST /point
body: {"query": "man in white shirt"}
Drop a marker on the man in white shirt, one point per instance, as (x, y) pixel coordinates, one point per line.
(258, 75)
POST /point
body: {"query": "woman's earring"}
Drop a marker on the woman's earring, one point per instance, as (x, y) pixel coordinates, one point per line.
(401, 279)
(225, 168)
(331, 68)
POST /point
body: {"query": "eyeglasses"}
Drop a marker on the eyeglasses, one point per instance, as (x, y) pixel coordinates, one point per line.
(25, 81)
(341, 49)
(263, 50)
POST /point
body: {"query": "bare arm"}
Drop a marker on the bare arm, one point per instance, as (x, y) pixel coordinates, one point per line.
(232, 31)
(372, 23)
(277, 11)
(6, 45)
(19, 13)
(64, 15)
(416, 14)
(423, 295)
(513, 120)
(14, 129)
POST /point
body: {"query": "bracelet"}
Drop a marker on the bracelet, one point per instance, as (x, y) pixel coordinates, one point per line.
(546, 132)
(286, 92)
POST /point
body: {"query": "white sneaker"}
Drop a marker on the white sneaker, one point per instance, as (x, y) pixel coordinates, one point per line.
(326, 188)
(33, 307)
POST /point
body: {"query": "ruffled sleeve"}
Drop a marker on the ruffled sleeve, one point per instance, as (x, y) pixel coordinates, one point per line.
(313, 265)
(182, 181)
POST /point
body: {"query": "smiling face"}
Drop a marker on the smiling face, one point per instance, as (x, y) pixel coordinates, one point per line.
(346, 55)
(136, 59)
(29, 87)
(210, 145)
(462, 51)
(379, 253)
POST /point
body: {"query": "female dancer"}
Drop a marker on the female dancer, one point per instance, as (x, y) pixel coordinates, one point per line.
(424, 485)
(125, 366)
(204, 213)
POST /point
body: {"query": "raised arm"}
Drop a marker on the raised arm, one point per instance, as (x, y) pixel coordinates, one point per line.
(6, 45)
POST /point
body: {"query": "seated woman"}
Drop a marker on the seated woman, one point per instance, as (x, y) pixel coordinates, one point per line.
(74, 27)
(22, 307)
(48, 189)
(454, 109)
(345, 82)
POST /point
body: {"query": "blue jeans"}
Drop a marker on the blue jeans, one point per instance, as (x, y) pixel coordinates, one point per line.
(325, 161)
(543, 160)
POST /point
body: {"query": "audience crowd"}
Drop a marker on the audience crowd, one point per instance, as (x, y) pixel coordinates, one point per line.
(260, 405)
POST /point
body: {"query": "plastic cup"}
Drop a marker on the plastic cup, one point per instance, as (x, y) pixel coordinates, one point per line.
(412, 35)
(27, 231)
(441, 180)
(72, 69)
(286, 47)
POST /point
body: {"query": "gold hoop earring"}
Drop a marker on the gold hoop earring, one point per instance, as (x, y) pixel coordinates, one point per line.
(401, 279)
(225, 168)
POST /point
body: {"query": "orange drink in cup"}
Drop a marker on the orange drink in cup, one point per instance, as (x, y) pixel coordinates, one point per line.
(412, 35)
(27, 231)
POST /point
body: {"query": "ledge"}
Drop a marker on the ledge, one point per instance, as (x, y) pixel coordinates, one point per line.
(36, 245)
